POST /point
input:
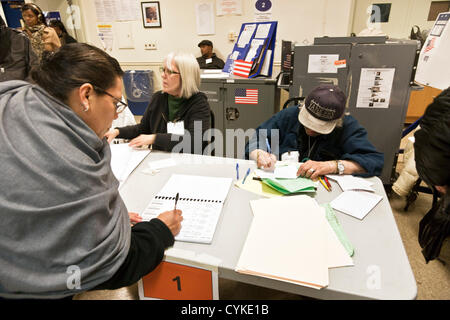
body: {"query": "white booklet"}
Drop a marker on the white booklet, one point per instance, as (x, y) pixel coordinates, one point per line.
(201, 201)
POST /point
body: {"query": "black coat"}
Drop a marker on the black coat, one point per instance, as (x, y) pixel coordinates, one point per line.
(195, 109)
(16, 56)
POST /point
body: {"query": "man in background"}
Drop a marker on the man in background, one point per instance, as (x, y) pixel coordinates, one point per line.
(209, 60)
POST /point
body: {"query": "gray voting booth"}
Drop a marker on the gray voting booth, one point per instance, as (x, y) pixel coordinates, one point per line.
(375, 73)
(239, 104)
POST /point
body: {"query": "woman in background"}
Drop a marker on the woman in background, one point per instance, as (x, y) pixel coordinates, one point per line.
(62, 33)
(42, 37)
(178, 108)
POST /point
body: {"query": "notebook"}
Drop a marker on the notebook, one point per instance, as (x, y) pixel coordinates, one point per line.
(201, 200)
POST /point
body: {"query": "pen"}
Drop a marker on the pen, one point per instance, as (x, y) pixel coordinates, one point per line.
(176, 200)
(268, 146)
(237, 171)
(327, 182)
(323, 183)
(246, 175)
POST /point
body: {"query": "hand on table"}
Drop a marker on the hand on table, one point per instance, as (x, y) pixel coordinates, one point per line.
(264, 160)
(112, 134)
(315, 169)
(142, 140)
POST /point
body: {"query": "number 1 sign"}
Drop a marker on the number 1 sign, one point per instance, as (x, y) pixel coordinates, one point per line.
(174, 281)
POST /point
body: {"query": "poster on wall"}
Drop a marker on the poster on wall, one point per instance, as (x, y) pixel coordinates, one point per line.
(106, 36)
(228, 7)
(375, 87)
(205, 18)
(263, 10)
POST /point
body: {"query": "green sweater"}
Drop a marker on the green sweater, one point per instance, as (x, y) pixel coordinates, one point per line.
(175, 104)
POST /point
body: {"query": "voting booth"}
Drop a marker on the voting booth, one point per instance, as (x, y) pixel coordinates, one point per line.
(253, 52)
(376, 75)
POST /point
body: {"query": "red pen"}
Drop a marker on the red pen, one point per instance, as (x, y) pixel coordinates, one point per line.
(327, 182)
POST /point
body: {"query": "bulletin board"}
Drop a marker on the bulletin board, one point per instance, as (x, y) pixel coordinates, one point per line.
(253, 52)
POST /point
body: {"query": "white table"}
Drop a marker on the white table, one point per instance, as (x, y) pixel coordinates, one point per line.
(381, 270)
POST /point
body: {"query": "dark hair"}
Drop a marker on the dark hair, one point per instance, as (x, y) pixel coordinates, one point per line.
(36, 10)
(59, 24)
(73, 65)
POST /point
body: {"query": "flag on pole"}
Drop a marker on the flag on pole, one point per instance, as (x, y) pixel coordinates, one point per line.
(242, 68)
(245, 96)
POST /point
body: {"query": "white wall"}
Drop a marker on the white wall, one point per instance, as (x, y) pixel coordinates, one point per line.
(298, 20)
(404, 14)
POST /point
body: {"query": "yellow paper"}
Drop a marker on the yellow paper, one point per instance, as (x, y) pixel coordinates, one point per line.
(257, 187)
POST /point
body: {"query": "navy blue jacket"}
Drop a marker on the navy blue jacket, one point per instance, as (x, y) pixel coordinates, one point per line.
(348, 142)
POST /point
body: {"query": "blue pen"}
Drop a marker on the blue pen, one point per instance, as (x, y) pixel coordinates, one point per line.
(237, 171)
(246, 175)
(268, 146)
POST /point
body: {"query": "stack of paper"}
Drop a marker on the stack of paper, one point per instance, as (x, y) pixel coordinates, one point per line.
(290, 240)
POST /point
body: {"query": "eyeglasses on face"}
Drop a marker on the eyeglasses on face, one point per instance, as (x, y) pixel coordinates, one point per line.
(167, 71)
(120, 105)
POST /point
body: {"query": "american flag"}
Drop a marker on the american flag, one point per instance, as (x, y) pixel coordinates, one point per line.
(242, 68)
(245, 96)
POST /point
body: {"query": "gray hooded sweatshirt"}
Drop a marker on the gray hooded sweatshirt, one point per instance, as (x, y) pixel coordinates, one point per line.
(63, 225)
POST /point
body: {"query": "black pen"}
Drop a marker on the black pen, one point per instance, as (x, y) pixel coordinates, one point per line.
(176, 200)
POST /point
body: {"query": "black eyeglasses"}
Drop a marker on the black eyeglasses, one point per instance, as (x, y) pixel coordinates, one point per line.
(120, 105)
(167, 71)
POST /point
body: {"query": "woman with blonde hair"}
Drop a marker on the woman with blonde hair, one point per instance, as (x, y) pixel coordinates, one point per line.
(176, 113)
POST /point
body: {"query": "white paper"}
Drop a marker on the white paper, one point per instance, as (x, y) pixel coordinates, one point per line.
(322, 63)
(254, 45)
(356, 203)
(263, 30)
(349, 182)
(106, 36)
(246, 35)
(205, 18)
(266, 64)
(375, 87)
(231, 7)
(282, 171)
(201, 201)
(124, 160)
(287, 244)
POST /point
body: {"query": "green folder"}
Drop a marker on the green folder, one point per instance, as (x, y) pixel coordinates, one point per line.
(291, 186)
(334, 223)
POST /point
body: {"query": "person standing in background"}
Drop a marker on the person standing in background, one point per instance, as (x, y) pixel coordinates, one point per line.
(42, 37)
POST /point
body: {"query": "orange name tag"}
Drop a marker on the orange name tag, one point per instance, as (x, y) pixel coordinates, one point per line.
(172, 281)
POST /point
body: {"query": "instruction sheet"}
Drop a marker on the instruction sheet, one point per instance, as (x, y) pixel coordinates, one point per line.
(375, 87)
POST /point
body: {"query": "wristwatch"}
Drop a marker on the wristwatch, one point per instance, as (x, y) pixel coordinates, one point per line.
(340, 167)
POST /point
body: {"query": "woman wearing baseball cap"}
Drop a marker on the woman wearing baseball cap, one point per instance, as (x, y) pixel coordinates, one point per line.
(326, 140)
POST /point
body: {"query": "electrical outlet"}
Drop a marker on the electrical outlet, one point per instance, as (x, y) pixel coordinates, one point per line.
(150, 46)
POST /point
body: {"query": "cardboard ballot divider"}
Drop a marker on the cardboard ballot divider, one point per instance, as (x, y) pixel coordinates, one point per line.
(253, 51)
(179, 281)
